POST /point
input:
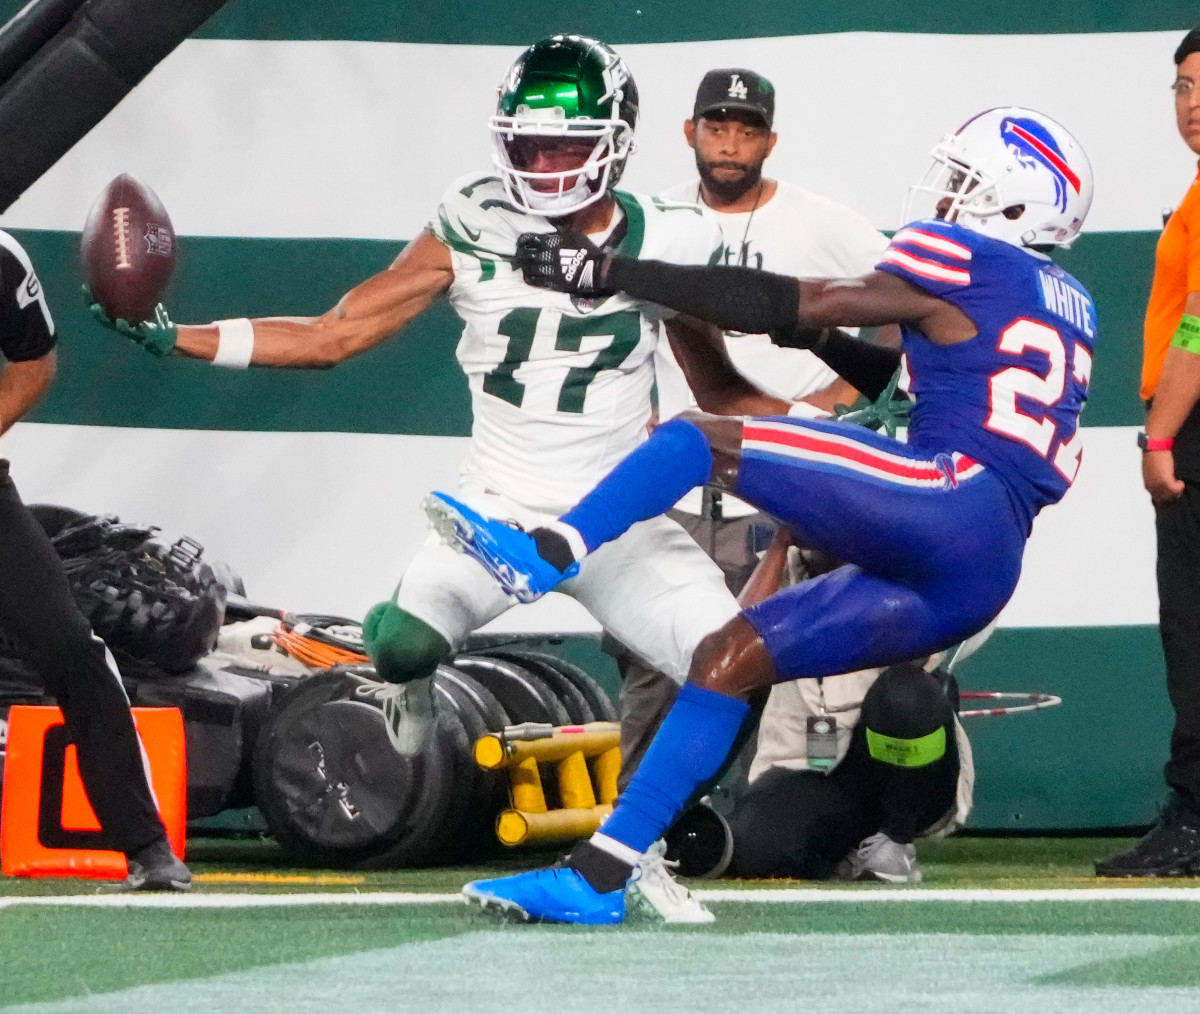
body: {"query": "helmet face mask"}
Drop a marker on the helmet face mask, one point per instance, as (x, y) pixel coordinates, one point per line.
(1011, 174)
(953, 191)
(564, 125)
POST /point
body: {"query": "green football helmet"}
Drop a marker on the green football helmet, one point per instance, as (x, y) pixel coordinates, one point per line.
(564, 124)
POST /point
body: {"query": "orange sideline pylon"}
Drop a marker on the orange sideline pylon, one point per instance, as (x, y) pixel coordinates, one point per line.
(47, 826)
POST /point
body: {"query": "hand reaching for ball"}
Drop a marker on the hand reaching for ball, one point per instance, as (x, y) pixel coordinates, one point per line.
(157, 336)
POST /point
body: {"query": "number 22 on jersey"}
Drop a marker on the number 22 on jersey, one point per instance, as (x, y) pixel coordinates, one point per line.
(1036, 429)
(521, 326)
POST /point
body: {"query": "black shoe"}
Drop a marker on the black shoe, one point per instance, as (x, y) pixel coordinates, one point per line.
(1169, 849)
(700, 841)
(154, 868)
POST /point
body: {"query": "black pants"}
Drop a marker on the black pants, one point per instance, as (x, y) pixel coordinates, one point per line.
(36, 607)
(1178, 528)
(802, 823)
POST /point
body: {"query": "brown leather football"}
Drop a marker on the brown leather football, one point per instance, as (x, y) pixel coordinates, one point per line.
(127, 250)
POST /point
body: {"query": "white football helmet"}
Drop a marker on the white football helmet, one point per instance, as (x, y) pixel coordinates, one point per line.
(1011, 174)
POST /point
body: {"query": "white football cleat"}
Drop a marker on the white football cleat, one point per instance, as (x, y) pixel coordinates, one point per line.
(653, 890)
(408, 711)
(879, 858)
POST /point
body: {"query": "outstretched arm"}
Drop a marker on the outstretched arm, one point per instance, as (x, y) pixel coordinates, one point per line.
(364, 317)
(367, 315)
(745, 299)
(736, 298)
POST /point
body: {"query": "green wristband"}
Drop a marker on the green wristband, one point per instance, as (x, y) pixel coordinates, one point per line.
(1187, 335)
(907, 753)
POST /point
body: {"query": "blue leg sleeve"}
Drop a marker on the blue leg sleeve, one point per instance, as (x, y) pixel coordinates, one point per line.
(646, 484)
(692, 744)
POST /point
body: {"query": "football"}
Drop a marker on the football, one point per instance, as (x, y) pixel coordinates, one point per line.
(127, 250)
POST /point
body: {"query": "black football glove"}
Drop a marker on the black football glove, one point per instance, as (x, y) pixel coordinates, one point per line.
(562, 261)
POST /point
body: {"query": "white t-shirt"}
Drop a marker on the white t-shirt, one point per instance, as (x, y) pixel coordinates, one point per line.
(560, 387)
(795, 233)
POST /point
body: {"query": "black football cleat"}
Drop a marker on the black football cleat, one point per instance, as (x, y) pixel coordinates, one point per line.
(154, 868)
(1169, 849)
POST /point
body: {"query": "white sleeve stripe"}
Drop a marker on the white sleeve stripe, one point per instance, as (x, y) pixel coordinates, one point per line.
(18, 251)
(931, 242)
(927, 269)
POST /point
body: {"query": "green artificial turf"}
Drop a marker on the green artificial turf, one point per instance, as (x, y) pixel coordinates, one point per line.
(56, 952)
(72, 953)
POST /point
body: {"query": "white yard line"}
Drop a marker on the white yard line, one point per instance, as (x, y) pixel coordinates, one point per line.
(1020, 895)
(766, 896)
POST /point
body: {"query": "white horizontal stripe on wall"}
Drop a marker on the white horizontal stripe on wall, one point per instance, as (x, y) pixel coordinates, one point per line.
(314, 522)
(324, 522)
(343, 139)
(1090, 560)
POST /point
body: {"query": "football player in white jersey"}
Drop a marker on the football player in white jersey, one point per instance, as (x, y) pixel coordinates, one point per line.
(560, 387)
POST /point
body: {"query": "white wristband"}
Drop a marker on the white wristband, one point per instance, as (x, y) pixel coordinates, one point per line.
(235, 343)
(805, 410)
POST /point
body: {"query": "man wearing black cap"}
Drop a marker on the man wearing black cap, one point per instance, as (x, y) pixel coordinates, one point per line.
(766, 224)
(734, 114)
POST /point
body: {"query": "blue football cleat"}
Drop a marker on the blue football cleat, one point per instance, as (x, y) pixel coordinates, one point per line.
(554, 895)
(504, 551)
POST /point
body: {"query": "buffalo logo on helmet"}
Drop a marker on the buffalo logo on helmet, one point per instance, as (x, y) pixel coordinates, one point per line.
(1033, 145)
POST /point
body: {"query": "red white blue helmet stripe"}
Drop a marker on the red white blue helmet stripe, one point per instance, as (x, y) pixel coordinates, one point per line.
(1031, 141)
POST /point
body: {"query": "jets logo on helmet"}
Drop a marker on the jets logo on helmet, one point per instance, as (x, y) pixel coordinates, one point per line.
(615, 75)
(564, 125)
(1012, 174)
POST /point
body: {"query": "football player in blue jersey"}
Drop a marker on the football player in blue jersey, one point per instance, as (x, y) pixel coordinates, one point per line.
(997, 342)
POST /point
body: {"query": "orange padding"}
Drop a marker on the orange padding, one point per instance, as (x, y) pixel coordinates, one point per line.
(315, 653)
(47, 825)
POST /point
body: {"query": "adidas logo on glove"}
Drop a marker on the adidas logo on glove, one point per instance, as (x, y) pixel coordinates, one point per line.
(571, 261)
